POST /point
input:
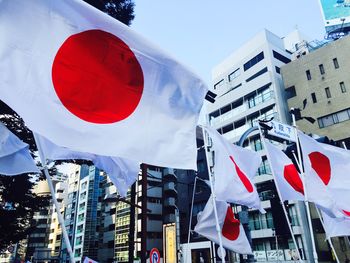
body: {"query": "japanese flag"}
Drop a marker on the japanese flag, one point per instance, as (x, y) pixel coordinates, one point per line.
(122, 172)
(286, 175)
(89, 260)
(335, 227)
(327, 176)
(234, 170)
(87, 82)
(233, 235)
(15, 157)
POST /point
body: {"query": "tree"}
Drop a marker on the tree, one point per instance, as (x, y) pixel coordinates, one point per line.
(122, 10)
(18, 203)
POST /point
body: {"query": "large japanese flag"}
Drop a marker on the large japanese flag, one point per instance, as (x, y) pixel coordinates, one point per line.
(327, 176)
(234, 170)
(15, 157)
(122, 172)
(231, 230)
(87, 82)
(286, 176)
(335, 227)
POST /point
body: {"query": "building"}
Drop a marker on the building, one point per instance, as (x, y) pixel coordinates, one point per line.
(55, 236)
(249, 87)
(321, 77)
(83, 212)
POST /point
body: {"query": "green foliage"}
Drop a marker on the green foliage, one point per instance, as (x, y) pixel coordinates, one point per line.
(122, 10)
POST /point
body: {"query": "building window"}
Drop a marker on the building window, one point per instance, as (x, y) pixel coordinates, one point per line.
(234, 74)
(280, 57)
(321, 69)
(313, 97)
(290, 92)
(328, 93)
(264, 70)
(308, 75)
(253, 61)
(335, 63)
(219, 84)
(342, 87)
(278, 70)
(334, 118)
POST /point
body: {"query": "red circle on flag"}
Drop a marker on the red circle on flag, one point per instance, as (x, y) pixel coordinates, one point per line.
(291, 175)
(97, 77)
(244, 179)
(230, 229)
(322, 166)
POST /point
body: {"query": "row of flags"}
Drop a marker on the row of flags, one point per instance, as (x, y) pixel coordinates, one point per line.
(91, 88)
(325, 179)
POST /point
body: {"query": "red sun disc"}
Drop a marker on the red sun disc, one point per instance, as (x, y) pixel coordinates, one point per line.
(230, 229)
(292, 177)
(244, 179)
(322, 166)
(97, 77)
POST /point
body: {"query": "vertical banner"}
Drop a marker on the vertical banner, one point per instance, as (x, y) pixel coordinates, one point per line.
(169, 243)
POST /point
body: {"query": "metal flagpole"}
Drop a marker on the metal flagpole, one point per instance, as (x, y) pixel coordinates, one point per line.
(329, 239)
(54, 199)
(301, 169)
(189, 226)
(206, 148)
(280, 196)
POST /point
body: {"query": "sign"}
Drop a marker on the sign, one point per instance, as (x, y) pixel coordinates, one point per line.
(169, 243)
(154, 256)
(275, 255)
(283, 131)
(336, 14)
(260, 256)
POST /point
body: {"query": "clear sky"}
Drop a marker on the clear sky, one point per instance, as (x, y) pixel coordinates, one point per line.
(202, 33)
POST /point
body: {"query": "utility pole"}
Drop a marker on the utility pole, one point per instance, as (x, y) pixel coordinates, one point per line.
(144, 213)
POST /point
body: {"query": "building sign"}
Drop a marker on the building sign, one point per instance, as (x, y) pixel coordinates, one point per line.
(154, 256)
(275, 255)
(260, 256)
(169, 243)
(335, 13)
(283, 131)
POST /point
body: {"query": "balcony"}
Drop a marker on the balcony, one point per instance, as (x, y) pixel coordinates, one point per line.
(169, 173)
(170, 202)
(169, 188)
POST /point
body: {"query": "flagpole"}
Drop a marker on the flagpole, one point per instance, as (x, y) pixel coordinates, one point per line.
(329, 239)
(280, 196)
(206, 148)
(189, 226)
(54, 199)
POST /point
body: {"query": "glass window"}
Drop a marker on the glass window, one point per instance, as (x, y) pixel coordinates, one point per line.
(278, 70)
(321, 69)
(342, 87)
(234, 74)
(219, 84)
(335, 63)
(342, 116)
(308, 74)
(253, 61)
(327, 121)
(264, 70)
(328, 92)
(290, 92)
(313, 96)
(280, 57)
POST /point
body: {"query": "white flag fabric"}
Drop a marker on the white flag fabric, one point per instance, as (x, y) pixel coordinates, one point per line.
(233, 235)
(89, 260)
(15, 157)
(234, 170)
(327, 176)
(286, 175)
(335, 227)
(87, 82)
(122, 172)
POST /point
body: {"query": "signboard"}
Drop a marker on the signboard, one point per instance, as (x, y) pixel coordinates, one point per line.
(283, 131)
(169, 243)
(335, 13)
(275, 255)
(154, 256)
(260, 256)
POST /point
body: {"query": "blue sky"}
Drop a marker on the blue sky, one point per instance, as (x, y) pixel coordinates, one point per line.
(200, 34)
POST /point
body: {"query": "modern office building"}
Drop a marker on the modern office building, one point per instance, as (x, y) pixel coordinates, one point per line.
(322, 78)
(83, 212)
(249, 87)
